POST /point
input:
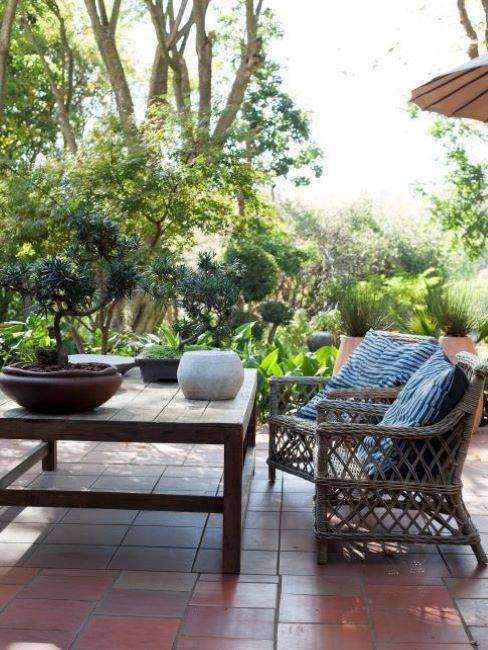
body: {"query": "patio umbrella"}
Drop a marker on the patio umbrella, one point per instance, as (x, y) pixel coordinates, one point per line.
(462, 92)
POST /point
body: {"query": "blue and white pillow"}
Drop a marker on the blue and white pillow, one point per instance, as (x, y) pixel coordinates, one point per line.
(429, 395)
(378, 362)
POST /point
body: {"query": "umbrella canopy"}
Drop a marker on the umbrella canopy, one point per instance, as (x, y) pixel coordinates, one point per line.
(463, 92)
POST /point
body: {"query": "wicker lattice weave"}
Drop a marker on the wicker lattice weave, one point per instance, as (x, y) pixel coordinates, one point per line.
(417, 497)
(291, 439)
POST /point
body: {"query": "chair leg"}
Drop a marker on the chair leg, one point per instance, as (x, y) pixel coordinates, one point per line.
(480, 554)
(271, 474)
(322, 552)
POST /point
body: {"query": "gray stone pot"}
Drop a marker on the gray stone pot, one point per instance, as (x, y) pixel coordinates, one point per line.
(210, 374)
(318, 339)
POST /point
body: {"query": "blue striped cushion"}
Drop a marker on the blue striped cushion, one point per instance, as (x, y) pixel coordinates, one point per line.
(379, 361)
(429, 395)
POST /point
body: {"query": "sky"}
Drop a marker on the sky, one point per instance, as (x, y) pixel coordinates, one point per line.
(352, 65)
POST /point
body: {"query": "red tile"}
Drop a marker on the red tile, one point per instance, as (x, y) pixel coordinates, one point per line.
(235, 594)
(480, 636)
(473, 610)
(67, 586)
(298, 540)
(7, 592)
(35, 639)
(86, 534)
(241, 577)
(173, 536)
(140, 558)
(210, 643)
(70, 556)
(467, 587)
(117, 633)
(426, 646)
(323, 637)
(16, 575)
(150, 603)
(321, 585)
(343, 610)
(65, 615)
(158, 580)
(232, 622)
(402, 597)
(419, 625)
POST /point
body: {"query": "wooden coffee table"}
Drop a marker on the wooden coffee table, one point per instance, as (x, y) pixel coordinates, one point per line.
(151, 413)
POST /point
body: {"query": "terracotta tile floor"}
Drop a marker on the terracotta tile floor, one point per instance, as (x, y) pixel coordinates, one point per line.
(122, 580)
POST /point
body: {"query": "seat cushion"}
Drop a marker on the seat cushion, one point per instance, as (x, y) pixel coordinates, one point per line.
(429, 395)
(379, 361)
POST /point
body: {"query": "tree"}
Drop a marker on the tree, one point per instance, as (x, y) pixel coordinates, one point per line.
(463, 207)
(94, 272)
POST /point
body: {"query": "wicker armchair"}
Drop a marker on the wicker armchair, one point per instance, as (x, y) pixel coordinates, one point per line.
(417, 496)
(292, 439)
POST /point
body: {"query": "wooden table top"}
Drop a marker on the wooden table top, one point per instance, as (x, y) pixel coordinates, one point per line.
(152, 408)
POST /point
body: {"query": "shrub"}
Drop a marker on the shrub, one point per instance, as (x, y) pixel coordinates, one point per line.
(453, 310)
(258, 271)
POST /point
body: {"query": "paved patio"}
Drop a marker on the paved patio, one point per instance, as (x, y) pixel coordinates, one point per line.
(117, 580)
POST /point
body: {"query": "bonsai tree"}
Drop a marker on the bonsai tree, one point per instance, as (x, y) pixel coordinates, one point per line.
(91, 275)
(275, 313)
(206, 293)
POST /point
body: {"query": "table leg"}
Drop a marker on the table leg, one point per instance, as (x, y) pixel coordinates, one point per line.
(50, 462)
(251, 428)
(233, 456)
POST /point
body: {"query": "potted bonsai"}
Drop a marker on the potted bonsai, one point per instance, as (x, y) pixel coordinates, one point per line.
(95, 271)
(362, 307)
(206, 295)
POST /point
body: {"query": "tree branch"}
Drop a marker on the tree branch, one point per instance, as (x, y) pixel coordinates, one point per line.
(63, 116)
(203, 44)
(114, 17)
(250, 61)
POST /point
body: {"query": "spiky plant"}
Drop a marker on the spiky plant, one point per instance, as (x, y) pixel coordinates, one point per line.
(453, 309)
(363, 307)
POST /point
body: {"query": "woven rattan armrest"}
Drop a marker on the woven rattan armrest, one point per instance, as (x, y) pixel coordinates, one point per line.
(386, 395)
(326, 430)
(352, 408)
(308, 381)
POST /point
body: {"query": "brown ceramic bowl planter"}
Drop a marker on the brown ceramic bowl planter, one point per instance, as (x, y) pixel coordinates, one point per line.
(75, 389)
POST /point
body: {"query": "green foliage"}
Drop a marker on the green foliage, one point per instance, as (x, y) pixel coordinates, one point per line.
(463, 207)
(275, 359)
(20, 339)
(363, 307)
(207, 294)
(258, 270)
(453, 309)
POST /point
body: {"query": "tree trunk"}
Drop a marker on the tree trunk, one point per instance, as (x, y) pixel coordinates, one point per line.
(203, 45)
(473, 49)
(158, 85)
(104, 32)
(5, 38)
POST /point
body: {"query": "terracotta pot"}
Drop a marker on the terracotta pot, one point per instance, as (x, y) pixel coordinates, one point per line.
(451, 346)
(347, 346)
(60, 391)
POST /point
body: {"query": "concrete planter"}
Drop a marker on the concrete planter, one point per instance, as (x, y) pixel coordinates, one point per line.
(346, 348)
(210, 374)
